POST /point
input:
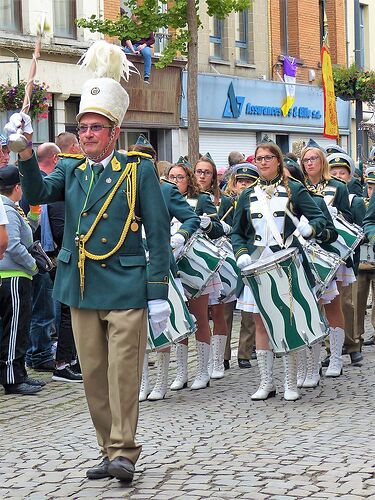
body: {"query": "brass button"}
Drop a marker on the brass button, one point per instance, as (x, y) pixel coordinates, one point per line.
(104, 240)
(81, 236)
(84, 214)
(105, 215)
(103, 265)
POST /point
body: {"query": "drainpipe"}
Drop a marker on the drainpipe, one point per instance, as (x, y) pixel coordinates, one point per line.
(358, 104)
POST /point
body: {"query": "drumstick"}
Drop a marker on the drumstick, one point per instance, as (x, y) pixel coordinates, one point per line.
(227, 213)
(212, 215)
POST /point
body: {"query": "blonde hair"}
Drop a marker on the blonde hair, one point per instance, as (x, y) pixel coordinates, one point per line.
(325, 172)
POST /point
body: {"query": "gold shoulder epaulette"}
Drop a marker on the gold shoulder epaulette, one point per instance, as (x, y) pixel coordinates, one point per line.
(138, 153)
(71, 155)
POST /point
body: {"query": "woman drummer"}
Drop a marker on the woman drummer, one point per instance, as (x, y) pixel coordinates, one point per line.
(319, 180)
(206, 176)
(260, 208)
(186, 182)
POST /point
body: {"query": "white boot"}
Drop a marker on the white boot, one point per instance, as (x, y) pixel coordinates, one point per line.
(161, 385)
(267, 388)
(202, 379)
(313, 367)
(145, 390)
(336, 342)
(290, 380)
(218, 347)
(180, 382)
(302, 356)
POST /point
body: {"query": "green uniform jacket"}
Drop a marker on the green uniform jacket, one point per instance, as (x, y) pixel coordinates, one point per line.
(120, 281)
(204, 205)
(355, 187)
(358, 211)
(226, 202)
(179, 208)
(369, 221)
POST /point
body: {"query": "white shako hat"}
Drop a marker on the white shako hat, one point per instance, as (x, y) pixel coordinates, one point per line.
(104, 94)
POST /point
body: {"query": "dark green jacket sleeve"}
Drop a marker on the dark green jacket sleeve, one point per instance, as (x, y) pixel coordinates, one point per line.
(226, 203)
(369, 221)
(329, 233)
(242, 235)
(355, 187)
(179, 208)
(206, 206)
(358, 210)
(341, 201)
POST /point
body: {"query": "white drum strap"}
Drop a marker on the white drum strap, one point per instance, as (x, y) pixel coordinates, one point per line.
(268, 216)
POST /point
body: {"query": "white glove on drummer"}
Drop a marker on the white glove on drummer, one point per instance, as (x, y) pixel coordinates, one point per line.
(177, 241)
(15, 123)
(159, 312)
(244, 260)
(305, 229)
(226, 227)
(205, 221)
(332, 210)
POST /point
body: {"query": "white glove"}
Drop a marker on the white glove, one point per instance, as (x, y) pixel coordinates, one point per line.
(332, 210)
(177, 241)
(244, 260)
(159, 312)
(305, 229)
(227, 228)
(15, 123)
(205, 221)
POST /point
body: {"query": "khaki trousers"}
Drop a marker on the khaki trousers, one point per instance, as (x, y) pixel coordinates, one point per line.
(246, 339)
(365, 279)
(111, 347)
(347, 298)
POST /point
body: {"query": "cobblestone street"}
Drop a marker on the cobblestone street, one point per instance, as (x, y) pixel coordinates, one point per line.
(214, 443)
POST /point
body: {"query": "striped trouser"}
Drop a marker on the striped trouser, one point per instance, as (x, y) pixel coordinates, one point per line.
(15, 313)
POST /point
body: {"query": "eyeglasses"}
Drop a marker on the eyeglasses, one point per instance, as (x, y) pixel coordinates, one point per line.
(176, 178)
(266, 158)
(97, 127)
(305, 161)
(205, 173)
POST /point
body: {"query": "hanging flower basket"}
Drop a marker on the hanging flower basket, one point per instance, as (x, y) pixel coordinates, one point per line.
(354, 84)
(12, 96)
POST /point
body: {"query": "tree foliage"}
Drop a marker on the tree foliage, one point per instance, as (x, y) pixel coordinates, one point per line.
(153, 17)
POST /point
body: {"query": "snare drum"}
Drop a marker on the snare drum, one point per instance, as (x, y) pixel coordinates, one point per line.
(181, 324)
(199, 260)
(286, 302)
(228, 272)
(324, 266)
(350, 236)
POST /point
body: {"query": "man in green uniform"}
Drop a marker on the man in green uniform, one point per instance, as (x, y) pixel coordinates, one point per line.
(101, 270)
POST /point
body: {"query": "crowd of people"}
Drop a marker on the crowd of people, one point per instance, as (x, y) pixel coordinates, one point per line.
(146, 253)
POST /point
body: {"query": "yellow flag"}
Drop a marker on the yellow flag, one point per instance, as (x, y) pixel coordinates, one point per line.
(331, 127)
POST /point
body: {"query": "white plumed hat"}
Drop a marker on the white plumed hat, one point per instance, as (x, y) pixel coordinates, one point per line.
(104, 94)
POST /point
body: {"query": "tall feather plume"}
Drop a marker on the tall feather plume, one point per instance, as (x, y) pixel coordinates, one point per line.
(107, 60)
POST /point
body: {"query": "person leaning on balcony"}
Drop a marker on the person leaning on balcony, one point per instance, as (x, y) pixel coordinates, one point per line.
(140, 47)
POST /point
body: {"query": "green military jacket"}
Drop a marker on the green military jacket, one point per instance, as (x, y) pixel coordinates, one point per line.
(355, 186)
(227, 203)
(115, 275)
(369, 221)
(335, 193)
(203, 204)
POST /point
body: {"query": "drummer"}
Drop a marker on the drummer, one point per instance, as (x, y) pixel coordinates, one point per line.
(354, 185)
(211, 226)
(366, 275)
(260, 228)
(243, 175)
(342, 167)
(181, 211)
(319, 180)
(207, 179)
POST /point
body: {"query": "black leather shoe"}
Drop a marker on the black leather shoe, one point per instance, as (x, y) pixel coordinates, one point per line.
(34, 381)
(244, 363)
(122, 468)
(99, 471)
(356, 358)
(24, 389)
(325, 362)
(370, 341)
(226, 364)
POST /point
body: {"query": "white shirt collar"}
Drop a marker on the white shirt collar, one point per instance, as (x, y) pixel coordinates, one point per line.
(105, 160)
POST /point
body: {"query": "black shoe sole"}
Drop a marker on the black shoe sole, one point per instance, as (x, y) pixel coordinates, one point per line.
(121, 473)
(98, 476)
(62, 379)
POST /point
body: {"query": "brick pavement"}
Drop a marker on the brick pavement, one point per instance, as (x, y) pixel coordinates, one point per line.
(214, 443)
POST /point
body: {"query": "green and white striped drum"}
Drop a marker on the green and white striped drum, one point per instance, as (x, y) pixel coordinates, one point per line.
(350, 236)
(228, 272)
(324, 265)
(197, 263)
(286, 302)
(181, 324)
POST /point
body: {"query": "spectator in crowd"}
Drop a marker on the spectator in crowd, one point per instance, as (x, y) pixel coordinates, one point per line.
(5, 153)
(16, 271)
(3, 230)
(221, 177)
(39, 354)
(68, 143)
(140, 47)
(235, 157)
